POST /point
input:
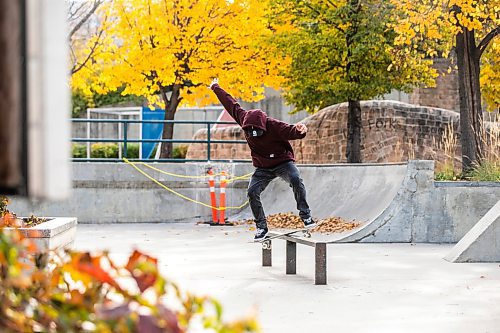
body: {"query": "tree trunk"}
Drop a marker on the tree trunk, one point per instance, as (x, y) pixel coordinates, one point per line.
(353, 149)
(12, 149)
(168, 128)
(471, 117)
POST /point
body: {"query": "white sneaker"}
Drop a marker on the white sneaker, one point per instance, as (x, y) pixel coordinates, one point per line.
(260, 234)
(309, 223)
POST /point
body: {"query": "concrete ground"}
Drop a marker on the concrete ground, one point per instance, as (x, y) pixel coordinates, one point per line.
(371, 287)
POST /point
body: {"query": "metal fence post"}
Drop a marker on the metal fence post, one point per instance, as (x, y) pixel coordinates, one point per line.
(125, 128)
(208, 141)
(123, 140)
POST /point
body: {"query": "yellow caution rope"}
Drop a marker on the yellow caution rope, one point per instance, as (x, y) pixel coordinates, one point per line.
(179, 194)
(231, 179)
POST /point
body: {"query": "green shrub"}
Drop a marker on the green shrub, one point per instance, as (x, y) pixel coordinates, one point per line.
(110, 150)
(180, 151)
(446, 172)
(104, 150)
(97, 150)
(132, 150)
(79, 151)
(488, 171)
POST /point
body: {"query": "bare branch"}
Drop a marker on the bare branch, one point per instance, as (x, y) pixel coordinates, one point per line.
(76, 68)
(92, 10)
(75, 13)
(487, 39)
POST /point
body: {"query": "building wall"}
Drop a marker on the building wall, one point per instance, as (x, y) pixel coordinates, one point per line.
(445, 94)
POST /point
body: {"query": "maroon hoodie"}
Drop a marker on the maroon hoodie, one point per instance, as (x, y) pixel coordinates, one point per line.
(272, 147)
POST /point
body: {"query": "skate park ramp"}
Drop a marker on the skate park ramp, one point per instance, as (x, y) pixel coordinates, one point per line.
(482, 242)
(353, 192)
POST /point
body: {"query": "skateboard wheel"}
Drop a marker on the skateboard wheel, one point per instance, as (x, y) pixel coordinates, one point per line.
(266, 245)
(307, 234)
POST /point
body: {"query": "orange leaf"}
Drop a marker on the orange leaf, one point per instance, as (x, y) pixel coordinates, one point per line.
(85, 263)
(139, 265)
(138, 257)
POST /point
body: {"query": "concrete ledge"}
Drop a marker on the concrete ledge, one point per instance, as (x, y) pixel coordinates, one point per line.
(482, 242)
(51, 228)
(57, 233)
(466, 184)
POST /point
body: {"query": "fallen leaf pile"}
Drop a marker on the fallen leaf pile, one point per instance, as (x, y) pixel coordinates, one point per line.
(10, 219)
(292, 221)
(33, 221)
(335, 224)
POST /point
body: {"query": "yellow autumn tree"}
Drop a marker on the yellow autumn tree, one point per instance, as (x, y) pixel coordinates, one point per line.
(490, 76)
(470, 27)
(168, 51)
(343, 51)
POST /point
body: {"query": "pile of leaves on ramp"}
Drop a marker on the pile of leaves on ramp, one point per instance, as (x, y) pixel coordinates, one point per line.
(293, 221)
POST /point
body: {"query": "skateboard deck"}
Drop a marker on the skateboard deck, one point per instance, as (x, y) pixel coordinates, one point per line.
(306, 233)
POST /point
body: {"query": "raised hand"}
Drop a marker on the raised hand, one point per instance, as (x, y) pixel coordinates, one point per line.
(214, 81)
(302, 128)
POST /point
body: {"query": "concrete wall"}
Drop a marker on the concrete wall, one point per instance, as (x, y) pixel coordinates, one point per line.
(427, 211)
(421, 211)
(108, 193)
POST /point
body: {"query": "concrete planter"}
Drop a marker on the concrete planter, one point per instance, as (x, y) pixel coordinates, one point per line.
(56, 233)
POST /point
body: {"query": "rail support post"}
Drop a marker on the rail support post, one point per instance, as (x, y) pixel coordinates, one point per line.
(291, 257)
(267, 253)
(320, 258)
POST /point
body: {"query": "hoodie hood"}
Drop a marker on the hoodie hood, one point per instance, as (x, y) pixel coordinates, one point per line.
(256, 118)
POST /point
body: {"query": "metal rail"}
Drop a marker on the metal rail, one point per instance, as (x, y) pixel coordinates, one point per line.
(124, 139)
(320, 276)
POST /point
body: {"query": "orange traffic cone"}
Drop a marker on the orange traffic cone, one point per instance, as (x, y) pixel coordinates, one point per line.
(213, 200)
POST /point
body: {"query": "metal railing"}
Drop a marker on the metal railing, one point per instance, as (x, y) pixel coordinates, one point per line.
(125, 139)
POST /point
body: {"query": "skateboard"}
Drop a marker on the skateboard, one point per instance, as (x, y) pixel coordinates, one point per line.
(266, 241)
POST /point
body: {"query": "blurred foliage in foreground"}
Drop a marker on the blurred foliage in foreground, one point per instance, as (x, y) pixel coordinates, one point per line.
(84, 292)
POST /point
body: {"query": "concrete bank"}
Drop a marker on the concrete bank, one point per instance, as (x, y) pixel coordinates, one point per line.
(394, 202)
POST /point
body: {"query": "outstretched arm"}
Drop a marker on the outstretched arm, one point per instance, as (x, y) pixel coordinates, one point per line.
(290, 132)
(229, 103)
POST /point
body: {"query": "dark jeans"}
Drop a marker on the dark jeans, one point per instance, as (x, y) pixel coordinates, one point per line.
(262, 177)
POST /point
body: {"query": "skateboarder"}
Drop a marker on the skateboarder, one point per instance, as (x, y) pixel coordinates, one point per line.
(272, 155)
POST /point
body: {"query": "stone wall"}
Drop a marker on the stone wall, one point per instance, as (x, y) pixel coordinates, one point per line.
(392, 132)
(220, 151)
